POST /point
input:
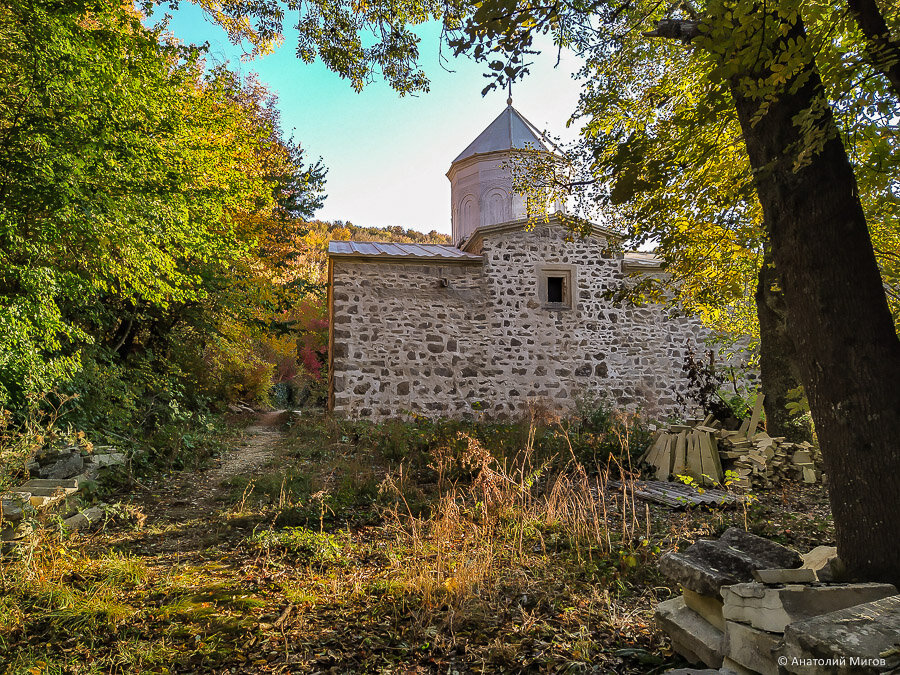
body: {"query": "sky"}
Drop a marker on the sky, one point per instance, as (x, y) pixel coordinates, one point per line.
(387, 156)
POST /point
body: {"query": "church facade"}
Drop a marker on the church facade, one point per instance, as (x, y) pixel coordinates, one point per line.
(507, 317)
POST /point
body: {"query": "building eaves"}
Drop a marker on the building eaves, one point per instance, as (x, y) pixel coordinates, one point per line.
(553, 220)
(641, 261)
(377, 250)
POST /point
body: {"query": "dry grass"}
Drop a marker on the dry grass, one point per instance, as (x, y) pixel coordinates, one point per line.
(462, 561)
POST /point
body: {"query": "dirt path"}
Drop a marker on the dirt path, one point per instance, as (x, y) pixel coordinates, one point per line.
(257, 447)
(191, 503)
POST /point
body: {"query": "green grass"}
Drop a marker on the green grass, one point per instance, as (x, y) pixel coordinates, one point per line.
(363, 549)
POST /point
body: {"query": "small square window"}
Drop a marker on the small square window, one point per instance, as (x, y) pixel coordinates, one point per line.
(555, 286)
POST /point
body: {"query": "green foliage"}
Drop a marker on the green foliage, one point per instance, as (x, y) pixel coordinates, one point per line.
(357, 41)
(145, 206)
(595, 435)
(301, 545)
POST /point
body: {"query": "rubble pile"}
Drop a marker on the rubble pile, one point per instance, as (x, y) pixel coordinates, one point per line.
(746, 457)
(57, 475)
(750, 605)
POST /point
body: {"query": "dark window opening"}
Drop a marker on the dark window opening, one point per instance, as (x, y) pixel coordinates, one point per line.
(555, 289)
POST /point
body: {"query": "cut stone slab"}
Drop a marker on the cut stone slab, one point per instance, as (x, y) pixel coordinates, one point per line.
(45, 491)
(773, 608)
(67, 484)
(707, 607)
(16, 531)
(66, 467)
(109, 459)
(693, 637)
(707, 566)
(798, 575)
(860, 639)
(824, 561)
(755, 650)
(776, 555)
(84, 518)
(14, 506)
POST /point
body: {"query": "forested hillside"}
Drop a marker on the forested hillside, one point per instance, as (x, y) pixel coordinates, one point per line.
(155, 255)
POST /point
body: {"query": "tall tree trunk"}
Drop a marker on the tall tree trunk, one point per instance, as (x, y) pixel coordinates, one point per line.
(848, 354)
(777, 357)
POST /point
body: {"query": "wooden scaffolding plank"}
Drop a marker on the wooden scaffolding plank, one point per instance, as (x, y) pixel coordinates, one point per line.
(679, 461)
(664, 460)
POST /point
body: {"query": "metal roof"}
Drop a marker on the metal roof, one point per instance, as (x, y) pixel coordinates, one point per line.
(510, 130)
(378, 249)
(642, 259)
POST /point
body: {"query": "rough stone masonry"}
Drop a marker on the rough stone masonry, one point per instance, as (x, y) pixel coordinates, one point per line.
(507, 317)
(476, 334)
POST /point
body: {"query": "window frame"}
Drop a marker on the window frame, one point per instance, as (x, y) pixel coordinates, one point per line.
(567, 272)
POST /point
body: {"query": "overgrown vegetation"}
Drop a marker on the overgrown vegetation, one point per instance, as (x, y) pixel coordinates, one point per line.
(368, 547)
(157, 257)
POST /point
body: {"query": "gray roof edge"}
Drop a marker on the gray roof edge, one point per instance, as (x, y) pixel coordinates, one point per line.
(391, 251)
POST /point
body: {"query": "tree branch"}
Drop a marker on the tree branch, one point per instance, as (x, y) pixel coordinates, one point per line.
(883, 52)
(675, 29)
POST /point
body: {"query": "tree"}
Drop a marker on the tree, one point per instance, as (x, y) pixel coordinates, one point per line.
(837, 315)
(135, 188)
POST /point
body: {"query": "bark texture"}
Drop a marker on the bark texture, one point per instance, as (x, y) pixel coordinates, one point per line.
(881, 50)
(848, 355)
(777, 357)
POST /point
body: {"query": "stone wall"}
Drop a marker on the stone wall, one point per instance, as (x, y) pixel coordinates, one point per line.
(488, 341)
(403, 342)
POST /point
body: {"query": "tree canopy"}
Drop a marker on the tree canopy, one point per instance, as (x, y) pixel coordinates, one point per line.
(137, 185)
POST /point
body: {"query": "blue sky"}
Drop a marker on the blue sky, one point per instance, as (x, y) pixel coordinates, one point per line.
(387, 156)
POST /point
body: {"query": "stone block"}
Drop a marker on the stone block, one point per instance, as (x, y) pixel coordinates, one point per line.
(66, 484)
(46, 491)
(110, 459)
(798, 575)
(706, 566)
(66, 466)
(84, 518)
(765, 550)
(693, 637)
(708, 607)
(16, 531)
(824, 561)
(858, 639)
(14, 506)
(772, 608)
(755, 650)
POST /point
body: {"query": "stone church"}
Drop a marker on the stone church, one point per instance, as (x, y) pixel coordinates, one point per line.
(508, 316)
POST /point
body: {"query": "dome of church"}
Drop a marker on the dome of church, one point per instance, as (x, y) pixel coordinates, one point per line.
(480, 185)
(509, 131)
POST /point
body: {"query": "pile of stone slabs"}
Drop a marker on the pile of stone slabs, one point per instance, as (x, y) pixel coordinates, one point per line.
(19, 504)
(44, 492)
(747, 606)
(695, 621)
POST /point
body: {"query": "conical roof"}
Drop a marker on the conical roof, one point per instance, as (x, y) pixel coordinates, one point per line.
(510, 130)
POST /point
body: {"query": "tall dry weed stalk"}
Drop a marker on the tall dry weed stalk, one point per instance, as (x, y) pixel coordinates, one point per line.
(478, 530)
